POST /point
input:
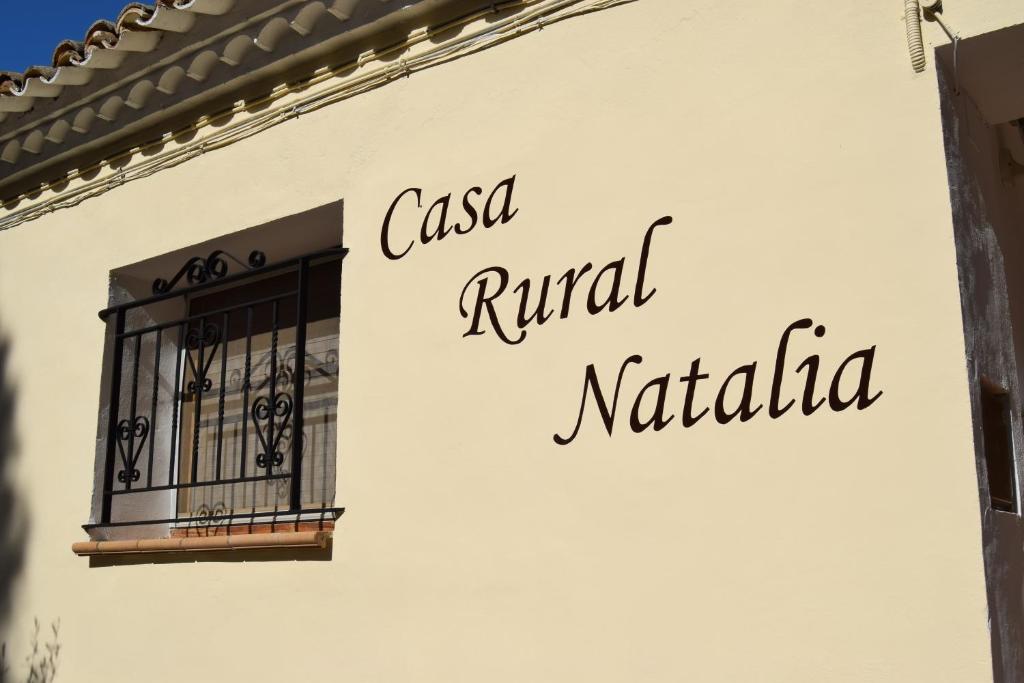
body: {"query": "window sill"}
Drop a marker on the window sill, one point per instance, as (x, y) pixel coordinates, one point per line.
(190, 544)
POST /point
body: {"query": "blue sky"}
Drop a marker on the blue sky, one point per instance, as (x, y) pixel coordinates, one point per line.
(34, 27)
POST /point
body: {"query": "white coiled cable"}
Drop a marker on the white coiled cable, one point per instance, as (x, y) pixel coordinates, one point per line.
(915, 43)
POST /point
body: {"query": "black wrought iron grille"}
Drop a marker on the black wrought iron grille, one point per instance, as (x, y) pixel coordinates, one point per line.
(222, 395)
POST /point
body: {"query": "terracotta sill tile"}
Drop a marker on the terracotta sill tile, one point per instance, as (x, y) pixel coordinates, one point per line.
(281, 539)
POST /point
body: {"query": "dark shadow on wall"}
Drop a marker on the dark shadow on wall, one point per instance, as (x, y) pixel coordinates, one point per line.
(41, 663)
(236, 556)
(14, 525)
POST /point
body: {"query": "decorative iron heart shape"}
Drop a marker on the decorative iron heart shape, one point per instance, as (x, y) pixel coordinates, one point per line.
(126, 431)
(264, 416)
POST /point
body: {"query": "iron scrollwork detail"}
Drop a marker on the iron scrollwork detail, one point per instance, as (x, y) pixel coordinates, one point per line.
(271, 425)
(209, 337)
(215, 266)
(126, 432)
(209, 517)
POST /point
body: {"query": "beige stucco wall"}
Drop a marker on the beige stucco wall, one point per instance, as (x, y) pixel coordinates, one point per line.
(803, 165)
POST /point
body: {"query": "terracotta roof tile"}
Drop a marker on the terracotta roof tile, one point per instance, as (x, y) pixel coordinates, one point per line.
(138, 28)
(157, 66)
(65, 50)
(9, 80)
(105, 34)
(39, 72)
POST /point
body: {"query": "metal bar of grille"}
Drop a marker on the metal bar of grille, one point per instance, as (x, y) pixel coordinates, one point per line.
(270, 445)
(129, 455)
(271, 518)
(152, 408)
(199, 379)
(196, 484)
(227, 280)
(245, 388)
(115, 400)
(223, 388)
(172, 457)
(299, 379)
(208, 314)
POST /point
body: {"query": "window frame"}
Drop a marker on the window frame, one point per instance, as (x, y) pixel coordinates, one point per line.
(997, 444)
(202, 276)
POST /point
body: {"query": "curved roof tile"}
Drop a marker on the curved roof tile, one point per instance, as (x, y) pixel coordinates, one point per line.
(107, 77)
(9, 81)
(101, 35)
(65, 50)
(137, 29)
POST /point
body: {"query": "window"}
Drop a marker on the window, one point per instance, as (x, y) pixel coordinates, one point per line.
(998, 445)
(220, 397)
